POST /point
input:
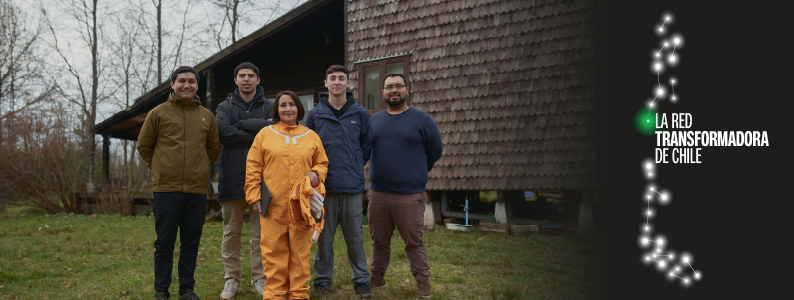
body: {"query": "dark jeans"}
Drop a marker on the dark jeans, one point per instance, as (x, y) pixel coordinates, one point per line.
(406, 213)
(184, 212)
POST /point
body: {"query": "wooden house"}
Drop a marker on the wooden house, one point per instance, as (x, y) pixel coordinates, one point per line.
(514, 86)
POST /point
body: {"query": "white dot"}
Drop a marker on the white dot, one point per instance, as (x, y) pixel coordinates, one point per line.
(672, 81)
(651, 104)
(648, 165)
(661, 264)
(665, 44)
(646, 227)
(657, 66)
(664, 196)
(661, 29)
(673, 98)
(676, 40)
(697, 275)
(649, 173)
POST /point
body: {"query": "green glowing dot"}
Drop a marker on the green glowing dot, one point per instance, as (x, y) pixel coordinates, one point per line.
(642, 121)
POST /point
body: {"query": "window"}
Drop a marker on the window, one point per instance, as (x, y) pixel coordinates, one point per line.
(308, 104)
(371, 76)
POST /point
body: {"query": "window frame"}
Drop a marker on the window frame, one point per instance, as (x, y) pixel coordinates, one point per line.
(381, 63)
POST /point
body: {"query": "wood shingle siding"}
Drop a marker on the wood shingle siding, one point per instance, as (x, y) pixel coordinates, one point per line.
(511, 85)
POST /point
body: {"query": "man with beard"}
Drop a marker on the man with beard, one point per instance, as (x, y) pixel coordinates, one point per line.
(344, 128)
(178, 141)
(239, 118)
(405, 145)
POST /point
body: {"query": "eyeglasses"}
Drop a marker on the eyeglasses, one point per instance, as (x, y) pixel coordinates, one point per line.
(392, 87)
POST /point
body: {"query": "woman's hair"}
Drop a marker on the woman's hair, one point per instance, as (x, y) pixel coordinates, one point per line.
(301, 111)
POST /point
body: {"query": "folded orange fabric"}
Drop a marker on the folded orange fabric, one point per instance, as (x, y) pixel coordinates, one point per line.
(303, 190)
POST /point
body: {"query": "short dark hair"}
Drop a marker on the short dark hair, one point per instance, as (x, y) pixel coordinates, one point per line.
(246, 65)
(301, 111)
(394, 75)
(337, 68)
(183, 69)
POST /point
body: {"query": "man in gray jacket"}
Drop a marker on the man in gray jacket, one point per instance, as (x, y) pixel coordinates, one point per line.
(239, 118)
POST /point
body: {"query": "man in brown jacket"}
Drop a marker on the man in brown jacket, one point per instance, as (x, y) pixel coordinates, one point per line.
(178, 141)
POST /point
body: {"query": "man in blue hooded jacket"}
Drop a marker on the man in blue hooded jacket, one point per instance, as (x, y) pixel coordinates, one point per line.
(240, 117)
(344, 127)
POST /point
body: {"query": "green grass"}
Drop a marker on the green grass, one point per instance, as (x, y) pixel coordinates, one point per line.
(110, 256)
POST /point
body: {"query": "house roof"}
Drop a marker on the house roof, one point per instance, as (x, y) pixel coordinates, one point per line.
(126, 124)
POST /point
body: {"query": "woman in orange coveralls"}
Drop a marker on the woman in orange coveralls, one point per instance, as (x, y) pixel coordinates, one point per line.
(282, 154)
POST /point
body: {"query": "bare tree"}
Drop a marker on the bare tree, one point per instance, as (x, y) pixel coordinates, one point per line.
(40, 163)
(127, 55)
(85, 91)
(21, 82)
(180, 43)
(158, 4)
(237, 12)
(19, 62)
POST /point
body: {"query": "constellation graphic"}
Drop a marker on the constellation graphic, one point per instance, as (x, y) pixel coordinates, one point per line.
(676, 40)
(676, 266)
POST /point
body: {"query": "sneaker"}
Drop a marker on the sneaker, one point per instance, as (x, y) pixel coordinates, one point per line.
(377, 283)
(189, 295)
(258, 286)
(322, 290)
(362, 290)
(423, 289)
(229, 290)
(160, 296)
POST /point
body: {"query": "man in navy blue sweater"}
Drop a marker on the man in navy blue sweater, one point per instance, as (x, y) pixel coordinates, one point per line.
(405, 145)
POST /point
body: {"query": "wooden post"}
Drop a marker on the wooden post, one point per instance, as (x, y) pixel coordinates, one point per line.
(106, 155)
(586, 215)
(432, 209)
(502, 209)
(210, 104)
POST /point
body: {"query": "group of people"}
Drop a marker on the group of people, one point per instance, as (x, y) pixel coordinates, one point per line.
(266, 147)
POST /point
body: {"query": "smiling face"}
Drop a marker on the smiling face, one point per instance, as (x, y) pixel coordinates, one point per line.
(395, 93)
(287, 110)
(185, 85)
(246, 81)
(337, 83)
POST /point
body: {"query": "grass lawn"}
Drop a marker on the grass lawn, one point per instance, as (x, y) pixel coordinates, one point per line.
(110, 257)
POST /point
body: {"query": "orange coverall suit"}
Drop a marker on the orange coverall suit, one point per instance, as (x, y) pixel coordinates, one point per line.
(282, 155)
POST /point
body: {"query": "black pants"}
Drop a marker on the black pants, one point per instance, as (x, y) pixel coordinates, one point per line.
(174, 211)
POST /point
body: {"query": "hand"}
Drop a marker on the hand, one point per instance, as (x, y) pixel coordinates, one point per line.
(257, 206)
(315, 180)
